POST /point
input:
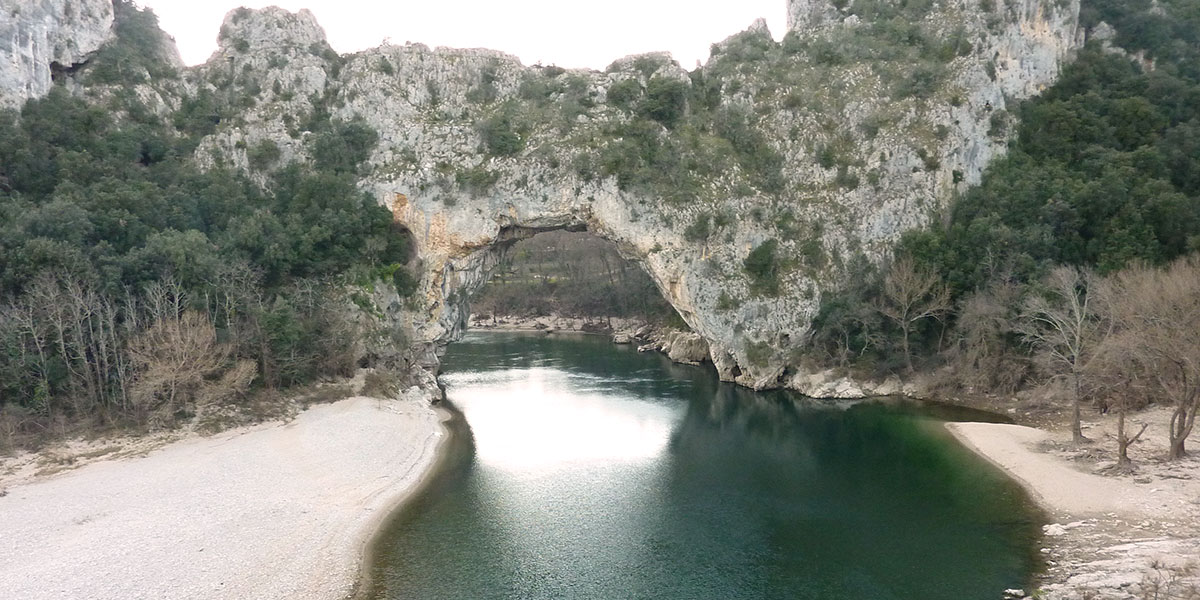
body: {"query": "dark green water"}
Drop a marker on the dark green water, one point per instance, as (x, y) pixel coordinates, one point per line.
(592, 471)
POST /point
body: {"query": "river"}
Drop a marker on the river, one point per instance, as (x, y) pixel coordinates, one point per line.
(592, 471)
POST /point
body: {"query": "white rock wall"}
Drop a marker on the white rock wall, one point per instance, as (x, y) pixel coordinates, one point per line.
(425, 105)
(37, 33)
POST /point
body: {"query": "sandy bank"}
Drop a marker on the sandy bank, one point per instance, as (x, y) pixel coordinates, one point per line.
(1109, 536)
(273, 511)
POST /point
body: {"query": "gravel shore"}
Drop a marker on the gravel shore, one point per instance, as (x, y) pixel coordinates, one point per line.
(272, 511)
(1118, 536)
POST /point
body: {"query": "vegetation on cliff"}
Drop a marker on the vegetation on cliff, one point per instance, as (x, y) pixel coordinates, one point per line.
(1103, 179)
(233, 195)
(136, 288)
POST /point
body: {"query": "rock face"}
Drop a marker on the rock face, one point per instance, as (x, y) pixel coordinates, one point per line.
(39, 37)
(747, 188)
(830, 385)
(808, 15)
(825, 148)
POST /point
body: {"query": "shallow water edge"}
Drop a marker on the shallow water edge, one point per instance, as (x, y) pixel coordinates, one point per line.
(765, 426)
(453, 449)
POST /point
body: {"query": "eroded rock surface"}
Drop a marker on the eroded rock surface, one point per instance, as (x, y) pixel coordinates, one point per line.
(827, 147)
(748, 188)
(41, 37)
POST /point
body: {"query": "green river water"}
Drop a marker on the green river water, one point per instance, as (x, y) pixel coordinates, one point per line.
(587, 470)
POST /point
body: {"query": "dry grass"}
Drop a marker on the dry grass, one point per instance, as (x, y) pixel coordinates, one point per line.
(381, 384)
(1170, 582)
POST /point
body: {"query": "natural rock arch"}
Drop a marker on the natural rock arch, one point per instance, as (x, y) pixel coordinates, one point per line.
(774, 145)
(458, 259)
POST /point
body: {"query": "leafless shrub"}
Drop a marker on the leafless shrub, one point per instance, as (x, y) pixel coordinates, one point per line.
(1062, 326)
(911, 296)
(381, 384)
(181, 365)
(1165, 581)
(1156, 315)
(982, 356)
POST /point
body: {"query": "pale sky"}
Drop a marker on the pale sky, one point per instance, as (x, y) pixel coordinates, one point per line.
(567, 33)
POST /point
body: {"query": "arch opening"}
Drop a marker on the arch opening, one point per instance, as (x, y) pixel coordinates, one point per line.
(568, 276)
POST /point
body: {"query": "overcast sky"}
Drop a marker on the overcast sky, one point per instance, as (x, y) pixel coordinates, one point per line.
(567, 33)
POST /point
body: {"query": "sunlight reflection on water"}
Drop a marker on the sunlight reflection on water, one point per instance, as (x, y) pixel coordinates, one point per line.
(521, 419)
(589, 470)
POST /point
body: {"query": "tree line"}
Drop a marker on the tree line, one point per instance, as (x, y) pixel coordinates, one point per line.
(573, 275)
(1074, 260)
(137, 289)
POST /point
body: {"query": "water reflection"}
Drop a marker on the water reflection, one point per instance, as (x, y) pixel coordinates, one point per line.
(601, 473)
(541, 417)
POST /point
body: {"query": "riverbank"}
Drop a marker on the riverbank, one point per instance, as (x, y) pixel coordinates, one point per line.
(279, 510)
(683, 347)
(1111, 536)
(553, 323)
(689, 348)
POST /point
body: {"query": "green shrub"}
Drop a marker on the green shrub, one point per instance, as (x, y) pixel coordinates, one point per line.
(762, 265)
(477, 180)
(500, 134)
(406, 285)
(624, 93)
(198, 115)
(485, 92)
(136, 50)
(998, 124)
(754, 154)
(699, 230)
(726, 302)
(922, 82)
(648, 65)
(744, 47)
(846, 179)
(263, 154)
(342, 147)
(665, 101)
(929, 159)
(758, 353)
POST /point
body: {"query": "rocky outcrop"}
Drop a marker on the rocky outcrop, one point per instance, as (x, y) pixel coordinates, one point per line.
(825, 148)
(277, 60)
(829, 384)
(745, 188)
(808, 15)
(39, 38)
(555, 323)
(684, 347)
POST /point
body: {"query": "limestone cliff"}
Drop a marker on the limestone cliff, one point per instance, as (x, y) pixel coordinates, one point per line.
(863, 123)
(41, 37)
(745, 188)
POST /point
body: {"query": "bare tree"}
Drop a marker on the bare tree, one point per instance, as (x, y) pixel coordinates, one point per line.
(911, 296)
(235, 300)
(1118, 377)
(1064, 331)
(981, 352)
(175, 355)
(33, 338)
(1157, 312)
